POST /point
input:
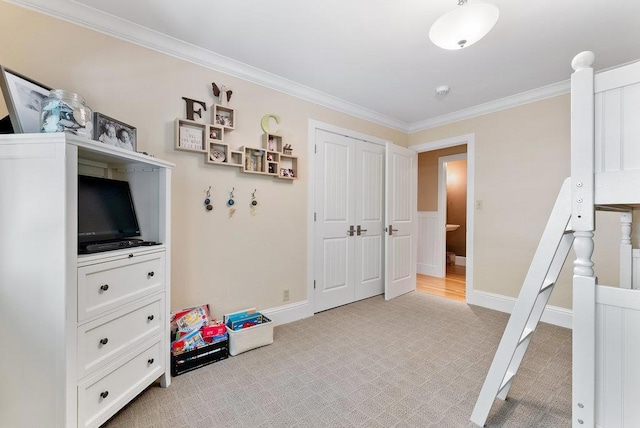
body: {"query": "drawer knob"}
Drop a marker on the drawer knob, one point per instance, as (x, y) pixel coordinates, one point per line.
(104, 394)
(150, 361)
(104, 287)
(104, 341)
(150, 318)
(151, 273)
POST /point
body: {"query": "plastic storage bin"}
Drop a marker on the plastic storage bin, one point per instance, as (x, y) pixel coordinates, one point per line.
(246, 339)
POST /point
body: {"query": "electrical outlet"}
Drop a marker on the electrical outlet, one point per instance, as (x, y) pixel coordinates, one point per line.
(285, 295)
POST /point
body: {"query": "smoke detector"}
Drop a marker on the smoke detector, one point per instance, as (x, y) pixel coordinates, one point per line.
(442, 90)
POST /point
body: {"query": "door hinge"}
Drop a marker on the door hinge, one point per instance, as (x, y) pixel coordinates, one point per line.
(314, 284)
(315, 148)
(314, 217)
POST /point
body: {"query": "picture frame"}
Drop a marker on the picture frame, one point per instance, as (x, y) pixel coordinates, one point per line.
(23, 97)
(223, 117)
(113, 132)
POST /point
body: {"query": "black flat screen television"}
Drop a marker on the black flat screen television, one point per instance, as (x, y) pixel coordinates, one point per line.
(105, 211)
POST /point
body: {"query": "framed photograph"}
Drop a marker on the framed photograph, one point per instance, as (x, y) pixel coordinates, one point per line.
(24, 98)
(223, 116)
(113, 132)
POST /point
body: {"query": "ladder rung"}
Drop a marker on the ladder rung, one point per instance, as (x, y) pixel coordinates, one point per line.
(525, 334)
(506, 380)
(546, 285)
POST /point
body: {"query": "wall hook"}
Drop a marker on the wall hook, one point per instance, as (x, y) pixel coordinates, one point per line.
(230, 202)
(207, 201)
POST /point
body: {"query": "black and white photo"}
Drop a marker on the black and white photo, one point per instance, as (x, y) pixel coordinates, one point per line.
(115, 133)
(23, 97)
(224, 118)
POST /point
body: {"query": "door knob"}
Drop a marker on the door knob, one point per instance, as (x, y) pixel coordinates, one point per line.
(351, 231)
(391, 230)
(360, 230)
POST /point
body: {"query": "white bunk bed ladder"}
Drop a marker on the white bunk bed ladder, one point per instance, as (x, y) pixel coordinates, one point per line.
(547, 262)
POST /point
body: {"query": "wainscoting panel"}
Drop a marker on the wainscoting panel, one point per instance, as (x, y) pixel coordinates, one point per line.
(430, 251)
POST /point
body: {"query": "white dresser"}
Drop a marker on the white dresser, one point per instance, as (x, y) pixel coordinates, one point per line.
(81, 335)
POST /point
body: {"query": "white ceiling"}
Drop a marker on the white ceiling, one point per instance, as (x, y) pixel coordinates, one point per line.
(375, 56)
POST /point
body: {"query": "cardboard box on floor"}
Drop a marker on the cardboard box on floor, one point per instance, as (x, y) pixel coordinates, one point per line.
(250, 330)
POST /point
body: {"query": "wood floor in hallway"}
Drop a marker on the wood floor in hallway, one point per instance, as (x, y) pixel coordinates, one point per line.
(453, 285)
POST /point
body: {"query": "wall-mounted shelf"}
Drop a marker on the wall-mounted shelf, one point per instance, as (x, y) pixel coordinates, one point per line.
(273, 159)
(191, 136)
(224, 117)
(220, 154)
(288, 167)
(260, 161)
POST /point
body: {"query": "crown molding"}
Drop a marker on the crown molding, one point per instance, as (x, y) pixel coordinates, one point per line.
(493, 106)
(93, 19)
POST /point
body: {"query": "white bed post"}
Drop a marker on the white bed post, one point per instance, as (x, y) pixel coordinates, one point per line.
(583, 223)
(626, 251)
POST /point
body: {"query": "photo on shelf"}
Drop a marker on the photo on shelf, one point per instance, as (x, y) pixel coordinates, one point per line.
(224, 118)
(23, 97)
(287, 172)
(113, 132)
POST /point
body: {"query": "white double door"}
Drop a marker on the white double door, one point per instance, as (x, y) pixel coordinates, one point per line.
(349, 232)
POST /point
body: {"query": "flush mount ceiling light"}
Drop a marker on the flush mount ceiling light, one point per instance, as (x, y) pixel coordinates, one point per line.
(464, 25)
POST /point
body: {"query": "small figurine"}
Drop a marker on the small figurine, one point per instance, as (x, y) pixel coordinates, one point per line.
(218, 92)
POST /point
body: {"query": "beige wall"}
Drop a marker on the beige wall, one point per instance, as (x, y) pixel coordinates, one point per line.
(522, 156)
(457, 206)
(230, 263)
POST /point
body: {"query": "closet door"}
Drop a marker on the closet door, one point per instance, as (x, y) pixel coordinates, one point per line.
(349, 193)
(369, 244)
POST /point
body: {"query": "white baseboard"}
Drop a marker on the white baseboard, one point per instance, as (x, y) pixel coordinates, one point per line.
(425, 269)
(288, 313)
(552, 314)
(461, 261)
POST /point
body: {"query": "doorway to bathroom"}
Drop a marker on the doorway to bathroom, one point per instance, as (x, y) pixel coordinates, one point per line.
(445, 200)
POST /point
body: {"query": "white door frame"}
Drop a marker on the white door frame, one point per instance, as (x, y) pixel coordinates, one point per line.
(469, 140)
(315, 125)
(442, 204)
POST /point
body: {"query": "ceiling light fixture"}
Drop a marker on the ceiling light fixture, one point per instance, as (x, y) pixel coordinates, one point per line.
(464, 25)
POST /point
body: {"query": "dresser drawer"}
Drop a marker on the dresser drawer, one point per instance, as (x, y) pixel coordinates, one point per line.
(103, 340)
(99, 399)
(108, 285)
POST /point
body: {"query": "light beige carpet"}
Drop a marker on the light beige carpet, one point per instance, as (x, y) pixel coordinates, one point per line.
(415, 361)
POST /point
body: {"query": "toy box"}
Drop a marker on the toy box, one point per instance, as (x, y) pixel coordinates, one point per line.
(250, 330)
(199, 357)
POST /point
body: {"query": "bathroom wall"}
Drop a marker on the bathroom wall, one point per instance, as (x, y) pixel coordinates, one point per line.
(428, 176)
(457, 206)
